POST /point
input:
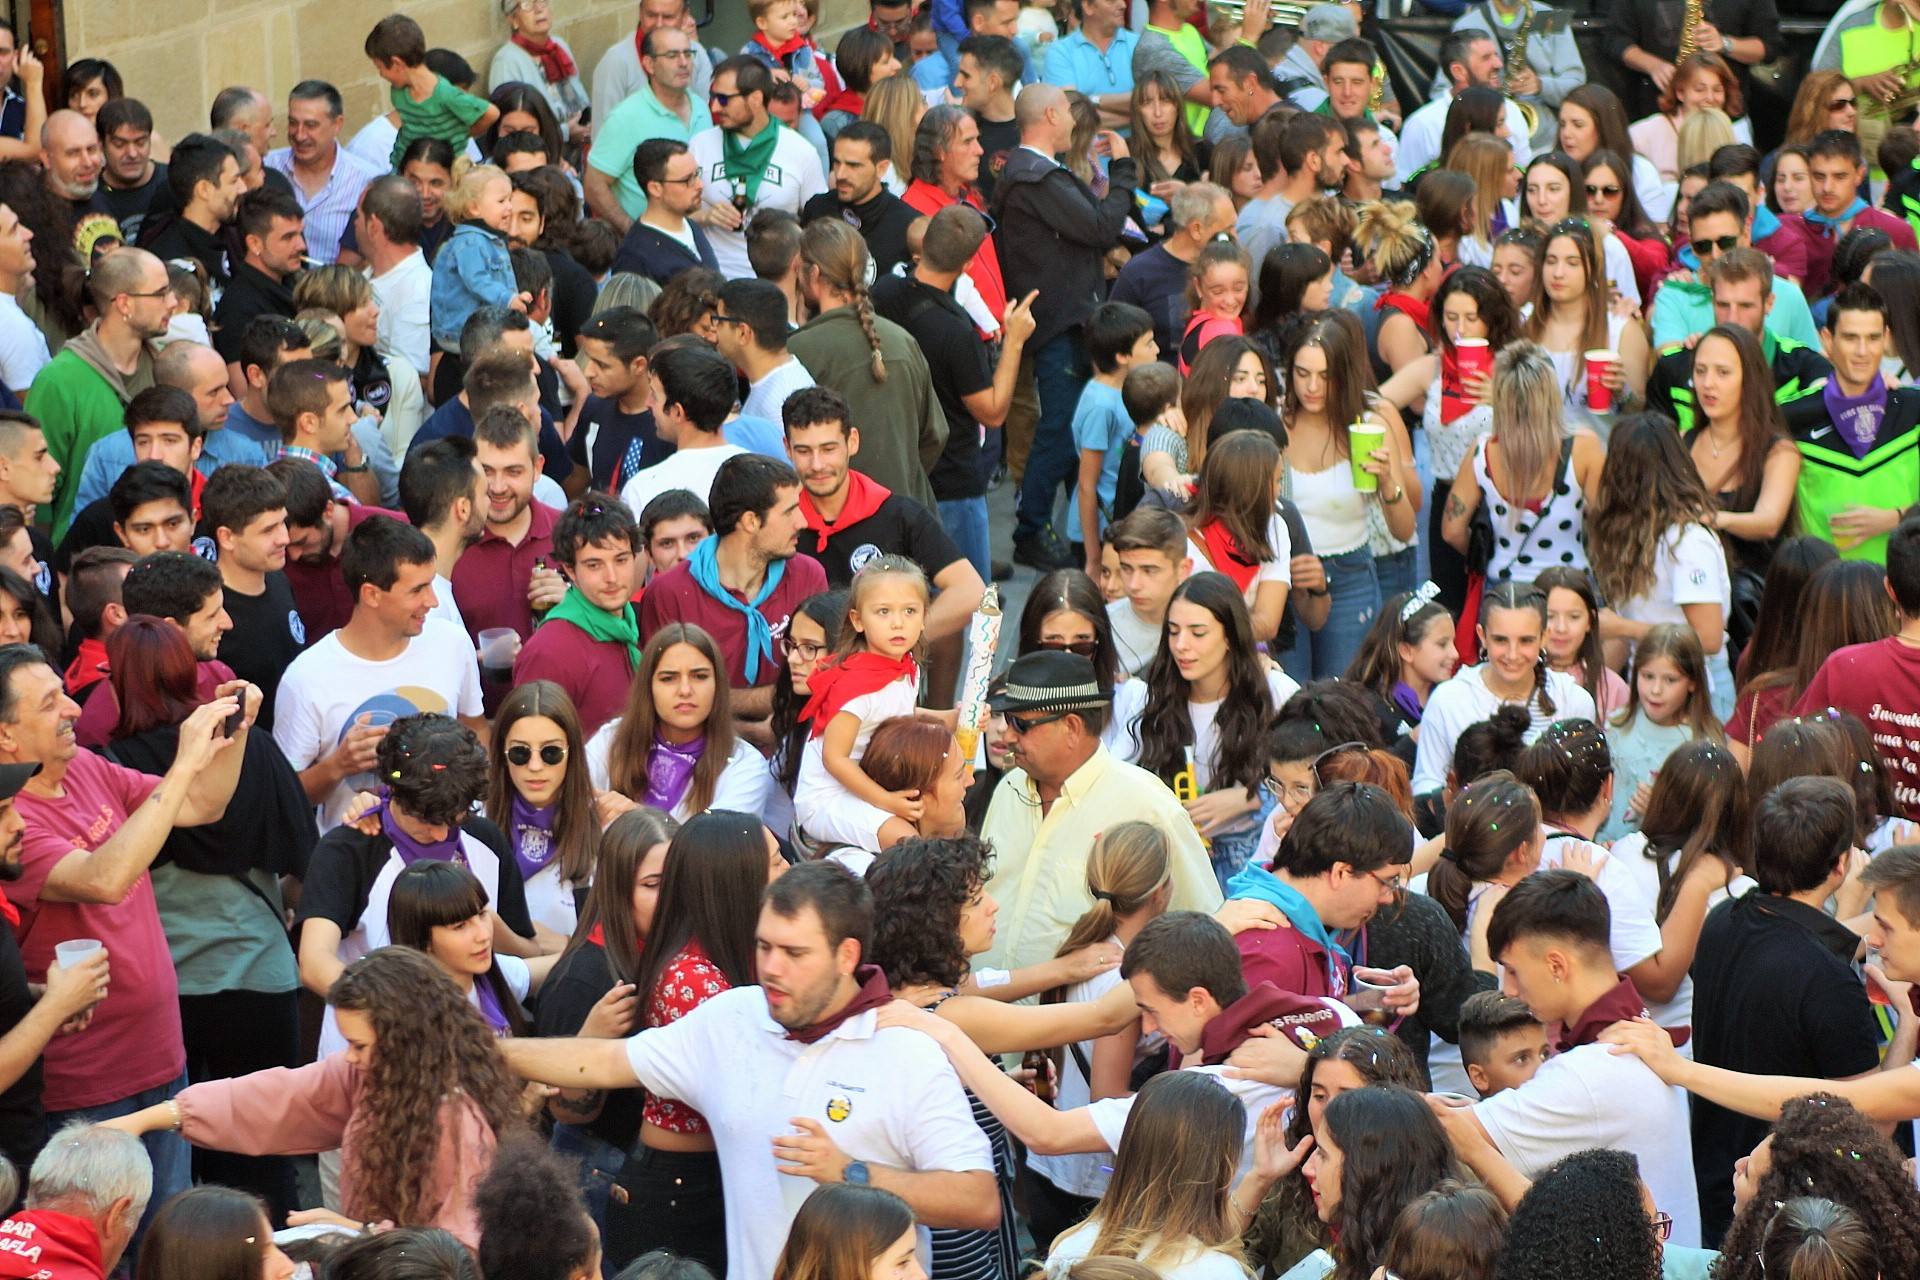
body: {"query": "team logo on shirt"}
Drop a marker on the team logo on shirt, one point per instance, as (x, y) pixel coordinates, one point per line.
(296, 627)
(839, 1107)
(863, 555)
(207, 549)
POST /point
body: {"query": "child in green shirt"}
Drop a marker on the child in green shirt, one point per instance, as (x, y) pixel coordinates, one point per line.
(428, 106)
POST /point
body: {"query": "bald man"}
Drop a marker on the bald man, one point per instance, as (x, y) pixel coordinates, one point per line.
(1054, 235)
(81, 396)
(199, 371)
(73, 158)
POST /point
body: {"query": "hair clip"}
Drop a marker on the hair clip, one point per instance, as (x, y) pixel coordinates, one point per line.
(1419, 599)
(395, 775)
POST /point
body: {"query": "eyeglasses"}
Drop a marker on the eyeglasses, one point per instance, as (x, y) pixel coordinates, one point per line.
(722, 98)
(162, 292)
(1329, 754)
(1719, 244)
(691, 180)
(1607, 189)
(520, 755)
(804, 650)
(1663, 1227)
(1085, 648)
(720, 319)
(1395, 885)
(1841, 104)
(1027, 724)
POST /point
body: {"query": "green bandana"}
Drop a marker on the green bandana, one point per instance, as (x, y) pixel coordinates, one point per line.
(746, 162)
(583, 613)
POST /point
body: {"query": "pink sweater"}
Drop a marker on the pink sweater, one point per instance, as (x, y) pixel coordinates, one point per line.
(306, 1110)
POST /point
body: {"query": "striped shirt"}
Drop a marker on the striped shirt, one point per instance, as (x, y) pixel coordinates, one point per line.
(330, 209)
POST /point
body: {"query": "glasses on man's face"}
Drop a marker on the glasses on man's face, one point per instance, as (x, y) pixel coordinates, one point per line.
(520, 755)
(1085, 648)
(1394, 885)
(165, 290)
(719, 99)
(1597, 189)
(801, 650)
(1719, 244)
(1023, 724)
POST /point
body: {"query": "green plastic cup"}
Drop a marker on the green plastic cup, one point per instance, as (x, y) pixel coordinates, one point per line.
(1363, 437)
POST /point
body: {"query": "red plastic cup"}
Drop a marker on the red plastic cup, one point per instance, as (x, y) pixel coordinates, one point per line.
(1475, 356)
(1599, 395)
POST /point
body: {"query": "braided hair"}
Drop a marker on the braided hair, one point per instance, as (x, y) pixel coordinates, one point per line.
(839, 257)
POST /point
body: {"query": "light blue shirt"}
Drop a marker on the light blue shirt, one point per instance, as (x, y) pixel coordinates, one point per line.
(329, 209)
(1682, 309)
(1100, 422)
(111, 456)
(757, 435)
(1075, 62)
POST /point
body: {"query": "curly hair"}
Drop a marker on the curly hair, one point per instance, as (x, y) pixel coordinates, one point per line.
(531, 1183)
(434, 766)
(920, 887)
(429, 1043)
(1822, 1146)
(1393, 1151)
(1583, 1220)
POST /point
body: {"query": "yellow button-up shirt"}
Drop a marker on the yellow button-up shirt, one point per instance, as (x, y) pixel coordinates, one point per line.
(1040, 862)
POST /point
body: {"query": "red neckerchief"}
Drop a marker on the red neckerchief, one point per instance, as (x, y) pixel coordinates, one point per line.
(842, 99)
(1302, 1019)
(9, 912)
(89, 666)
(1621, 1004)
(864, 497)
(1223, 554)
(597, 935)
(873, 993)
(1415, 309)
(1455, 403)
(196, 483)
(783, 51)
(555, 65)
(838, 681)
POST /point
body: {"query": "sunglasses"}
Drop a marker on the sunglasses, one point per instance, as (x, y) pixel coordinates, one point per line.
(1841, 104)
(1329, 754)
(1719, 244)
(1085, 648)
(723, 98)
(520, 755)
(1607, 189)
(1023, 724)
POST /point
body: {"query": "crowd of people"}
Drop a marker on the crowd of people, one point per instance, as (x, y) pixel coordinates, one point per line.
(503, 772)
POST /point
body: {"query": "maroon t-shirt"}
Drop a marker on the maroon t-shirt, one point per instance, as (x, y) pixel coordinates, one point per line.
(1880, 683)
(490, 581)
(1291, 961)
(675, 597)
(595, 673)
(319, 592)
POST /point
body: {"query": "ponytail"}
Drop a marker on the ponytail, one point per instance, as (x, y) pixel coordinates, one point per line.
(1485, 824)
(1129, 864)
(839, 257)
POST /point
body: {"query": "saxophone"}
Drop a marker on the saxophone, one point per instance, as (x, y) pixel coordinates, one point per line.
(1690, 31)
(1517, 61)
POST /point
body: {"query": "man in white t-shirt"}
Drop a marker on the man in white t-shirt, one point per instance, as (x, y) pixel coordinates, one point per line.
(744, 164)
(443, 491)
(391, 659)
(23, 348)
(1185, 973)
(693, 392)
(752, 316)
(1152, 545)
(387, 226)
(799, 1082)
(1549, 935)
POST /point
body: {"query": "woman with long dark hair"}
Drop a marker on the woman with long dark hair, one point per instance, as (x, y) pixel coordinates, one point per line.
(539, 794)
(812, 633)
(717, 866)
(1571, 317)
(1065, 610)
(1777, 621)
(1408, 653)
(1895, 273)
(212, 1233)
(440, 909)
(1573, 637)
(523, 109)
(1375, 1151)
(1200, 715)
(1294, 278)
(1844, 603)
(1587, 1217)
(218, 889)
(416, 1102)
(1228, 368)
(674, 747)
(1740, 448)
(1592, 118)
(1613, 203)
(1167, 151)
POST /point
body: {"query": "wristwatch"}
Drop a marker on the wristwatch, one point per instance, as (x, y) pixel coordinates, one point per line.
(364, 466)
(856, 1173)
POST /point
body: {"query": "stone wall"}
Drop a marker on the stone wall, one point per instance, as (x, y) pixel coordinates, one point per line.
(176, 55)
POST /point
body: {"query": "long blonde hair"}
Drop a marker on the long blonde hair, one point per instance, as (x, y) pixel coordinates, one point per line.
(838, 256)
(1486, 160)
(1172, 1172)
(1701, 134)
(1128, 865)
(1529, 419)
(895, 105)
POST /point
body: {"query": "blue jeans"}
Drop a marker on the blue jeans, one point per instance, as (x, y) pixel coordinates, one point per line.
(171, 1156)
(1060, 371)
(1230, 854)
(1326, 653)
(1398, 571)
(600, 1164)
(965, 520)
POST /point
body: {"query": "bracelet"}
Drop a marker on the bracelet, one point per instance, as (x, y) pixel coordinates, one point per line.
(173, 1113)
(1394, 500)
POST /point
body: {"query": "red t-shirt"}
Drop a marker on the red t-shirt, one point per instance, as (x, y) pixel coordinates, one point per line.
(675, 597)
(40, 1244)
(1880, 683)
(1291, 961)
(1755, 713)
(134, 1042)
(595, 673)
(319, 592)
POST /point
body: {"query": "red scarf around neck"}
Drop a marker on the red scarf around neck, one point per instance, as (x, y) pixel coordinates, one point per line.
(838, 681)
(1224, 555)
(1455, 403)
(864, 497)
(1415, 309)
(555, 65)
(873, 993)
(843, 99)
(784, 51)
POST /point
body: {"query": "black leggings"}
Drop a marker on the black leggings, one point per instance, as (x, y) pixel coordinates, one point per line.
(1447, 567)
(673, 1201)
(232, 1034)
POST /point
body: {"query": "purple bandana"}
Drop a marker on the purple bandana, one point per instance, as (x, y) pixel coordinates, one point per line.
(670, 769)
(489, 1001)
(411, 850)
(1407, 702)
(532, 836)
(1856, 419)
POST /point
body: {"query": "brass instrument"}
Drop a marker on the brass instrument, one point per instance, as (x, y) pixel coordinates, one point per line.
(1900, 103)
(1517, 51)
(1690, 31)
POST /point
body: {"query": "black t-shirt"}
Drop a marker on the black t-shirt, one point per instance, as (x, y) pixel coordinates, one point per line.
(92, 526)
(346, 865)
(882, 222)
(1156, 282)
(998, 140)
(901, 527)
(574, 292)
(566, 998)
(957, 358)
(267, 635)
(129, 207)
(249, 293)
(600, 439)
(23, 1122)
(1774, 994)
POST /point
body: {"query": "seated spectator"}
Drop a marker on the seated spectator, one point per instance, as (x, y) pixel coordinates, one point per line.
(589, 642)
(85, 1197)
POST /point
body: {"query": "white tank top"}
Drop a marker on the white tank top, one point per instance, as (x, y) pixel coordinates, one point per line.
(1334, 511)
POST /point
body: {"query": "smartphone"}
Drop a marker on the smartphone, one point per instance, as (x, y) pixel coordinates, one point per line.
(1312, 1267)
(239, 717)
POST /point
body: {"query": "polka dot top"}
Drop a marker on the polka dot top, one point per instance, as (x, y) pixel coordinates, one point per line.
(1525, 543)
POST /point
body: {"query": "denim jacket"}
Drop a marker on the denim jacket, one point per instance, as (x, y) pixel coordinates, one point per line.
(472, 270)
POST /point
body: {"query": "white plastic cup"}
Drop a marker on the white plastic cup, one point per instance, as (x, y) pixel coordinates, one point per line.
(75, 951)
